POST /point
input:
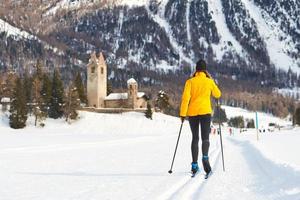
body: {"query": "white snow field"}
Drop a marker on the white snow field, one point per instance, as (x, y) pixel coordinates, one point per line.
(126, 156)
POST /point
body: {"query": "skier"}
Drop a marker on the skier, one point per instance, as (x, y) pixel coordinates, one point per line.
(196, 105)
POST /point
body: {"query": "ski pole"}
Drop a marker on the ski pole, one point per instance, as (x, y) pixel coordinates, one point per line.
(170, 171)
(219, 106)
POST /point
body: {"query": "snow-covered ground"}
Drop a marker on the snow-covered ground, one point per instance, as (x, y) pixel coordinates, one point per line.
(263, 119)
(126, 156)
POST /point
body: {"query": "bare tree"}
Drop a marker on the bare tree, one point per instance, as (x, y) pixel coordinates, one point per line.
(72, 104)
(37, 102)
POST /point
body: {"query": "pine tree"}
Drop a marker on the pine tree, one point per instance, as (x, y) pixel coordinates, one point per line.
(46, 93)
(38, 102)
(57, 97)
(39, 70)
(9, 84)
(18, 109)
(148, 113)
(297, 116)
(27, 86)
(222, 115)
(237, 122)
(1, 85)
(250, 123)
(80, 88)
(72, 104)
(162, 102)
(28, 89)
(153, 5)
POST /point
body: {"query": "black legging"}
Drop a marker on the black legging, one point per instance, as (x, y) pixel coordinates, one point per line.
(204, 121)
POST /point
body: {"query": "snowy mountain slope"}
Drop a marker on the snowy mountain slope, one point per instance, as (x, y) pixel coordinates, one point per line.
(228, 36)
(243, 26)
(67, 4)
(250, 40)
(54, 8)
(77, 161)
(21, 49)
(283, 14)
(247, 25)
(133, 2)
(225, 34)
(159, 19)
(14, 31)
(279, 44)
(18, 34)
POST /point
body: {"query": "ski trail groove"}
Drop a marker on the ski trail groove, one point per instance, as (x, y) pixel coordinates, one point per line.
(192, 187)
(185, 182)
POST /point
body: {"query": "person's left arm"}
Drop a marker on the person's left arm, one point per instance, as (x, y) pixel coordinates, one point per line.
(215, 90)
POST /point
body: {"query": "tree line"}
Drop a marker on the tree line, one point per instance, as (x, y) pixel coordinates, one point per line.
(41, 95)
(220, 116)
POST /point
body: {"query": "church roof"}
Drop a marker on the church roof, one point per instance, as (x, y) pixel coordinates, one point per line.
(5, 100)
(131, 81)
(119, 96)
(94, 58)
(116, 96)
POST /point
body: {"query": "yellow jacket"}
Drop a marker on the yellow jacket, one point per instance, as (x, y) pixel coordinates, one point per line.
(196, 95)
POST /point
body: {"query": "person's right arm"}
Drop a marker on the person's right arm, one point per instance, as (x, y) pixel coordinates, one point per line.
(185, 99)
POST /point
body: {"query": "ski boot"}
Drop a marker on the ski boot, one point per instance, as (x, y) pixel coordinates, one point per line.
(195, 168)
(206, 166)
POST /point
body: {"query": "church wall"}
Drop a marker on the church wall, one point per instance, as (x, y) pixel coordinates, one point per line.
(92, 85)
(141, 103)
(116, 103)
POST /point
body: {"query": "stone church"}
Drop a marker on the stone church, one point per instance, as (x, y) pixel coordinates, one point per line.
(97, 88)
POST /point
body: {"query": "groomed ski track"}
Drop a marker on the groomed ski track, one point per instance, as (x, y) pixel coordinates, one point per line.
(187, 187)
(249, 175)
(94, 161)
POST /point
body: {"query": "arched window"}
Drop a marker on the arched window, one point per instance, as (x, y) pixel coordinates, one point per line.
(93, 69)
(102, 70)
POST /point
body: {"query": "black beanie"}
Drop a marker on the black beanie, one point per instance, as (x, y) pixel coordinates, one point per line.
(201, 65)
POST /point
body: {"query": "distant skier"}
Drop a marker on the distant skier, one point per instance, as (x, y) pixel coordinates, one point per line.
(230, 131)
(197, 107)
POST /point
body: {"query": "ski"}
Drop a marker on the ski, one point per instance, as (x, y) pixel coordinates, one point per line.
(194, 174)
(208, 175)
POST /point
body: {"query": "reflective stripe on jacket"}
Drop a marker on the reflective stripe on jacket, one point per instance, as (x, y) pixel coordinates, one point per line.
(196, 95)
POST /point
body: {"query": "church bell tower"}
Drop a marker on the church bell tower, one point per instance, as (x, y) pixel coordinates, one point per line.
(96, 81)
(132, 93)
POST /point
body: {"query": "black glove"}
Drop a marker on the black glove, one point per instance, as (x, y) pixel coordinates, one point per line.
(182, 119)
